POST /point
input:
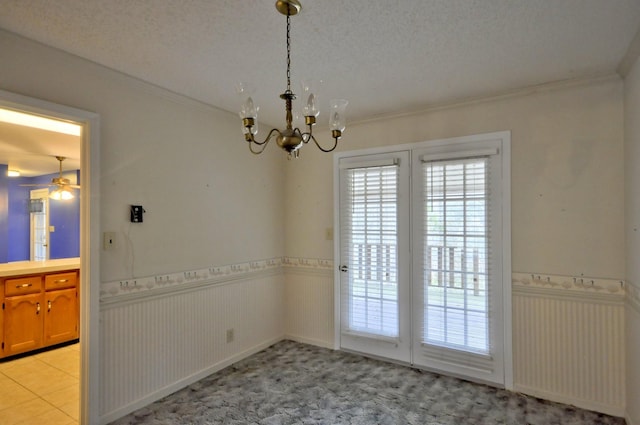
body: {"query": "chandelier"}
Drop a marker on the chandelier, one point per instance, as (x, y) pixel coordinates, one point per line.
(290, 139)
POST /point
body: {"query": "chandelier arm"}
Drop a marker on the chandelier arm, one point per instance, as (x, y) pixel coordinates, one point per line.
(258, 152)
(335, 144)
(266, 140)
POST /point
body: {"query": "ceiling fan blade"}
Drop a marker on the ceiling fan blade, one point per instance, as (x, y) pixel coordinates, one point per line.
(36, 185)
(75, 186)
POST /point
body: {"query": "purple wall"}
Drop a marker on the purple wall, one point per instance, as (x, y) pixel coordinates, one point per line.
(63, 215)
(18, 234)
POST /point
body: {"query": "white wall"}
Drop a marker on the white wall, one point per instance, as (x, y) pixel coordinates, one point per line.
(632, 233)
(185, 162)
(209, 202)
(567, 194)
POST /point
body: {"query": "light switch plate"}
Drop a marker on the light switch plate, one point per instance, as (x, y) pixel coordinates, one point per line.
(108, 240)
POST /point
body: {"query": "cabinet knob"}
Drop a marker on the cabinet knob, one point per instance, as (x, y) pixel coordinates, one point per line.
(48, 306)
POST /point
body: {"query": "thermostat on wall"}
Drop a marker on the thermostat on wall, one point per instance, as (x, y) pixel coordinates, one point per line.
(136, 213)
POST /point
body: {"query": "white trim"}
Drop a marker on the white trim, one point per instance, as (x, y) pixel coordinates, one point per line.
(89, 239)
(552, 86)
(310, 341)
(337, 317)
(184, 382)
(561, 398)
(507, 296)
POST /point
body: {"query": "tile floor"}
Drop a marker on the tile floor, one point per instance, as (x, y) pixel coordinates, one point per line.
(41, 389)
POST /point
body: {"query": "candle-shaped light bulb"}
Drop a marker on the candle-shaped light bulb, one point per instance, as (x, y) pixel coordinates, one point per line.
(311, 109)
(337, 118)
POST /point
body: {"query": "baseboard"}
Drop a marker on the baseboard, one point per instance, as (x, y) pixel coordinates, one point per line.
(310, 341)
(188, 380)
(583, 404)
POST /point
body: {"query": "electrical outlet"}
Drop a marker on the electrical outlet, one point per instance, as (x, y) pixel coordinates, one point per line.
(108, 240)
(230, 335)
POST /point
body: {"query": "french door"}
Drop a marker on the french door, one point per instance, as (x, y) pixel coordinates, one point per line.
(374, 255)
(422, 256)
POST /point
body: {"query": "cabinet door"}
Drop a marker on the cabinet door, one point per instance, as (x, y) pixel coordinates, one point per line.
(61, 316)
(23, 321)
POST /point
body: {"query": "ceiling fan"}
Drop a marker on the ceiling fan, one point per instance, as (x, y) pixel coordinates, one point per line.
(63, 185)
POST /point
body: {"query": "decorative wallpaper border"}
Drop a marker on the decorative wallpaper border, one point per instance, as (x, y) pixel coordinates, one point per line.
(215, 274)
(579, 286)
(315, 264)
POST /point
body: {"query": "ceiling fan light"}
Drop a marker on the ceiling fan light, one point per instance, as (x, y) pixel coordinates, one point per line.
(13, 173)
(61, 194)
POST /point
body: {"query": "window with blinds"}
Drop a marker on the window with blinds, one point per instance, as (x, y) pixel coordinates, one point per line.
(456, 255)
(369, 229)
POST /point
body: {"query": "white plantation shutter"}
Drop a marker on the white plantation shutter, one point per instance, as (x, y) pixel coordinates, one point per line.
(456, 254)
(369, 229)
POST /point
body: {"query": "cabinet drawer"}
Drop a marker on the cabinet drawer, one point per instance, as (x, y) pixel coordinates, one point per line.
(60, 280)
(22, 286)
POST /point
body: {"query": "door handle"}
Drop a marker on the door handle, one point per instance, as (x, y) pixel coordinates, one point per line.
(37, 308)
(344, 269)
(48, 306)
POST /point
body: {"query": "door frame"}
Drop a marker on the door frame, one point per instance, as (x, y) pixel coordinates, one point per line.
(31, 226)
(505, 137)
(89, 239)
(398, 349)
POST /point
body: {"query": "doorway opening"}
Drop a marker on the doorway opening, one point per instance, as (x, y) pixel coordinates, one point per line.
(39, 225)
(89, 237)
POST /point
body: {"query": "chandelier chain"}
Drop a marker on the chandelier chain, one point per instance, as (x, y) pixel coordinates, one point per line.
(288, 54)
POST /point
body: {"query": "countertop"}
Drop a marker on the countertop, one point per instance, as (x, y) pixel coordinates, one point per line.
(32, 267)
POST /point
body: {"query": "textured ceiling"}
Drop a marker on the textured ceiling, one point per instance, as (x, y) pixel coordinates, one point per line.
(385, 57)
(33, 152)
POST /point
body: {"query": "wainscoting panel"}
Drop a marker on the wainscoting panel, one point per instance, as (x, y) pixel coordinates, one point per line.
(309, 303)
(568, 341)
(153, 346)
(633, 354)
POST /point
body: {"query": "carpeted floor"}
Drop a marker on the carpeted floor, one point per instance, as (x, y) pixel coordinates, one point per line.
(292, 383)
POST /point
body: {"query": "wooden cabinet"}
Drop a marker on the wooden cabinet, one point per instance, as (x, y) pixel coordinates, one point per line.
(22, 323)
(38, 311)
(61, 318)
